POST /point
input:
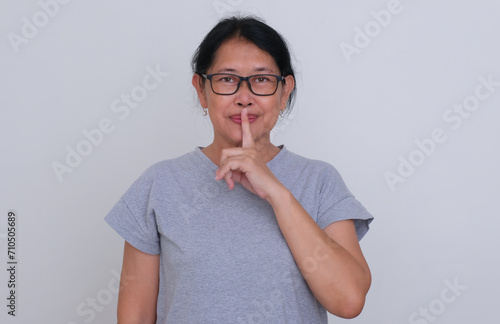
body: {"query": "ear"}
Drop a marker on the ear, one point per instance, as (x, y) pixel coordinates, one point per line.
(198, 84)
(288, 85)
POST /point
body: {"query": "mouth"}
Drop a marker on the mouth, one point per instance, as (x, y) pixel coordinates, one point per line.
(237, 119)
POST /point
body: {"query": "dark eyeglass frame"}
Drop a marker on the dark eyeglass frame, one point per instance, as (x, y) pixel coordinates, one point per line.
(247, 79)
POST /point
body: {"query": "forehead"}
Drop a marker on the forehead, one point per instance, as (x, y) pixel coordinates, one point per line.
(238, 55)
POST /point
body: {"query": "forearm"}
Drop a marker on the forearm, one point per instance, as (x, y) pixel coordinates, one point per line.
(336, 278)
(133, 310)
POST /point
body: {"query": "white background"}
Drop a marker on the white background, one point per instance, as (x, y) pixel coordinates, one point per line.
(434, 228)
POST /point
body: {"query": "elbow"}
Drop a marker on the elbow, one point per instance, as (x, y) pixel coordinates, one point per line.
(352, 308)
(353, 301)
(348, 302)
(349, 307)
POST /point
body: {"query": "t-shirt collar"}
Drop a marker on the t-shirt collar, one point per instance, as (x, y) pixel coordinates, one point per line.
(198, 152)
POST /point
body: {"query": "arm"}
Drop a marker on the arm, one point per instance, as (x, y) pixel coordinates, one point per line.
(138, 287)
(330, 260)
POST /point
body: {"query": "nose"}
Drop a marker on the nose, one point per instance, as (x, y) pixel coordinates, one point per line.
(244, 97)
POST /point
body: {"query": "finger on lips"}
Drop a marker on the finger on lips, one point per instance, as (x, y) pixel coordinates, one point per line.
(247, 137)
(246, 141)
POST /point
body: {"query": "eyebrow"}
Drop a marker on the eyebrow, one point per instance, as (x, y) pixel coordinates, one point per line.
(258, 69)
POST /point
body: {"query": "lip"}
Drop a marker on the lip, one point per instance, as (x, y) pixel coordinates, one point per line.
(237, 118)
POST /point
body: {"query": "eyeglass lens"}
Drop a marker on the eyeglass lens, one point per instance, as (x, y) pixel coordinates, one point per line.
(262, 84)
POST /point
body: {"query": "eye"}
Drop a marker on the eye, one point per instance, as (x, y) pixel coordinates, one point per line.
(262, 79)
(226, 79)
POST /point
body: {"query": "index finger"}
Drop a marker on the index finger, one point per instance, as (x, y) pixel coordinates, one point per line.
(247, 137)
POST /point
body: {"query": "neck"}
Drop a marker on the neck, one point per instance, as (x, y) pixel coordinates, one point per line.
(266, 150)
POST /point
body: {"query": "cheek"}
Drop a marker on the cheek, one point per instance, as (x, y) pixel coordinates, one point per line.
(216, 103)
(218, 106)
(273, 107)
(272, 115)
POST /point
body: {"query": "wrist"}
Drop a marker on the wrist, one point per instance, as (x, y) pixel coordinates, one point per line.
(280, 195)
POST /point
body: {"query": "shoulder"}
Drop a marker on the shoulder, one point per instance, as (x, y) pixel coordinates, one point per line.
(309, 165)
(307, 173)
(178, 163)
(166, 169)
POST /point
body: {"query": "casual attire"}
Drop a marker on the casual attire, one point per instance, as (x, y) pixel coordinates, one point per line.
(223, 258)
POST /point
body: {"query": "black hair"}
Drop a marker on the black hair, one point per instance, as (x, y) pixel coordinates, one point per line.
(252, 29)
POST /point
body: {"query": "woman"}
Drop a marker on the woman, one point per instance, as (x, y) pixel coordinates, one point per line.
(241, 231)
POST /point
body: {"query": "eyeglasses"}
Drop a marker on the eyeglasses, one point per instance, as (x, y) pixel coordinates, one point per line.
(260, 84)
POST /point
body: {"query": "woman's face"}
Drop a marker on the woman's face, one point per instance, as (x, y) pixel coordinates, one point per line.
(241, 57)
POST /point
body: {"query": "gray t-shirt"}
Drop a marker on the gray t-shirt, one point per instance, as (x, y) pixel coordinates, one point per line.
(223, 258)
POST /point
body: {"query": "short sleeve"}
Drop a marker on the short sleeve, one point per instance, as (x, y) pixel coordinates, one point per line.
(337, 203)
(133, 216)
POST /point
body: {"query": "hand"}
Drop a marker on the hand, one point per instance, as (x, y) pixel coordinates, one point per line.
(244, 165)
